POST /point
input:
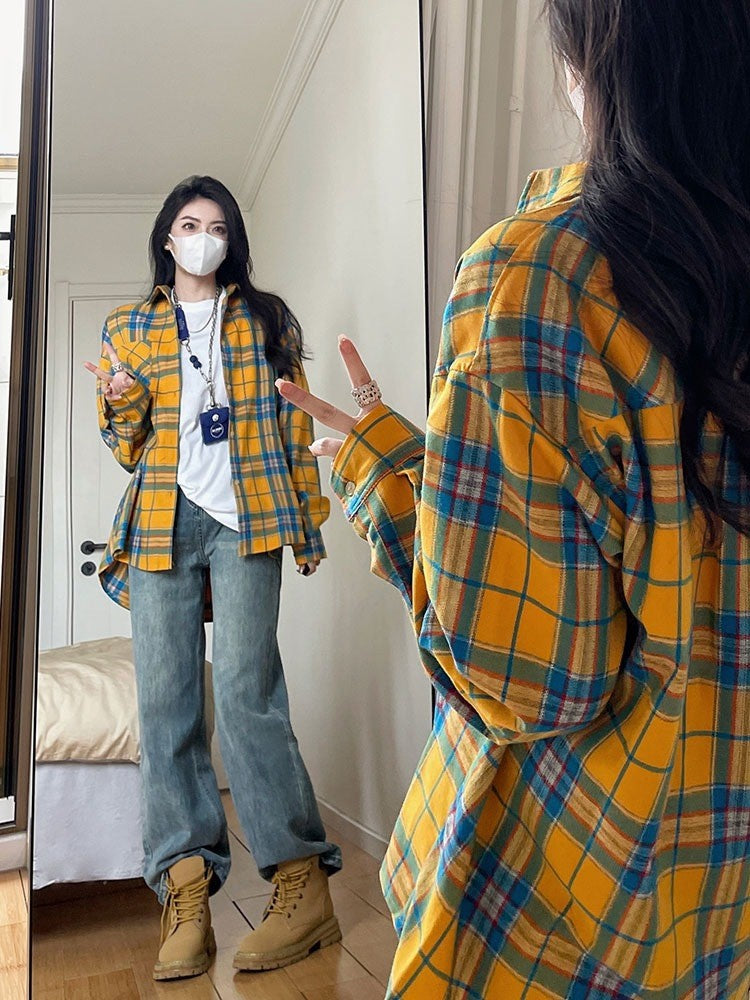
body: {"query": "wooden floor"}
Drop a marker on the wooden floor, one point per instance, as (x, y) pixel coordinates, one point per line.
(14, 907)
(103, 946)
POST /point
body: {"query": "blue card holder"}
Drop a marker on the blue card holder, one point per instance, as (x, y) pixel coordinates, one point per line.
(215, 424)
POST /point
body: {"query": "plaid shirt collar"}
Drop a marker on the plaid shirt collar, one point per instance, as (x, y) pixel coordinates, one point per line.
(552, 187)
(165, 291)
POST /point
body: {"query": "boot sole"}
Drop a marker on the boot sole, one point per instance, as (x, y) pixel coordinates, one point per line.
(185, 970)
(327, 934)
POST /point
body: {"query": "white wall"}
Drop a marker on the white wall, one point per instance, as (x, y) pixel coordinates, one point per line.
(550, 133)
(11, 70)
(497, 114)
(337, 230)
(517, 86)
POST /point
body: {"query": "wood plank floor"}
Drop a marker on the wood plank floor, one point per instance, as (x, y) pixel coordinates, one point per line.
(102, 946)
(14, 916)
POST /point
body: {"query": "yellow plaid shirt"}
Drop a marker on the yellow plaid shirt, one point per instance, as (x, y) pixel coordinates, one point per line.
(579, 824)
(275, 476)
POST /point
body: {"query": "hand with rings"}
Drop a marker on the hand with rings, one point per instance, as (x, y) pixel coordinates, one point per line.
(364, 390)
(117, 381)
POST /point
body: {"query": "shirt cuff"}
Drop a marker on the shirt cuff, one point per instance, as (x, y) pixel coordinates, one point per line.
(130, 405)
(309, 550)
(378, 444)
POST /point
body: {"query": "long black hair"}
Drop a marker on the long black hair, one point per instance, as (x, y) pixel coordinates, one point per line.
(666, 198)
(283, 334)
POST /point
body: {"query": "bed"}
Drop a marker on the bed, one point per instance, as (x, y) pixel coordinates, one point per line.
(87, 796)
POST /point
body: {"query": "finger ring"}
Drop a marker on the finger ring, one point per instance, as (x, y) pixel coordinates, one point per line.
(118, 366)
(366, 394)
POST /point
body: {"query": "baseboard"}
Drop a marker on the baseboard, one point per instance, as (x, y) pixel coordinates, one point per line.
(12, 851)
(359, 835)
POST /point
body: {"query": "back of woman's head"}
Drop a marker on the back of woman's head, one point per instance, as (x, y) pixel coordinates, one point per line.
(283, 336)
(666, 198)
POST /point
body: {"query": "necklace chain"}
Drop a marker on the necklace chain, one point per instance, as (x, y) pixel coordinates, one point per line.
(208, 379)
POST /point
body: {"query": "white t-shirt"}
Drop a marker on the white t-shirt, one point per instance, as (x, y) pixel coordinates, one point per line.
(203, 471)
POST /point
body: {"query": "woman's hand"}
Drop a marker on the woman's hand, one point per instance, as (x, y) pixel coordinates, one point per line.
(308, 568)
(115, 384)
(326, 413)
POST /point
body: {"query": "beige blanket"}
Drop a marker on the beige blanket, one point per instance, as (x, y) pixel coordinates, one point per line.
(86, 703)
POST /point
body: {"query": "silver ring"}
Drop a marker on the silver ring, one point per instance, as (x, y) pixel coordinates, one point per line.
(117, 366)
(365, 395)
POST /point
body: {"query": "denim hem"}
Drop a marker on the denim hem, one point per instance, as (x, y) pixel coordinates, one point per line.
(329, 859)
(219, 875)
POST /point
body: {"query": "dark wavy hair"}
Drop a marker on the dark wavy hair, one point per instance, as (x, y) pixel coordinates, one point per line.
(284, 353)
(666, 198)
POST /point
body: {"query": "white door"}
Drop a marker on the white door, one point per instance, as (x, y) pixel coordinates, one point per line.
(97, 481)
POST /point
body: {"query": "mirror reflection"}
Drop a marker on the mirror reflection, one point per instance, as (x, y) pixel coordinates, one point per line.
(213, 746)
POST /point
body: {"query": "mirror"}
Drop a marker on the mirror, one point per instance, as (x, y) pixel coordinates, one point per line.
(308, 111)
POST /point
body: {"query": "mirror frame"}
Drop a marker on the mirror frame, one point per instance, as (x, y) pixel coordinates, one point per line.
(19, 593)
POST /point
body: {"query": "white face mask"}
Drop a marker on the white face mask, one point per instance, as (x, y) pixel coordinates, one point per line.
(576, 96)
(199, 253)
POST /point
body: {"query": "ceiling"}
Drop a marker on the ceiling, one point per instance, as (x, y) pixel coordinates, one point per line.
(145, 92)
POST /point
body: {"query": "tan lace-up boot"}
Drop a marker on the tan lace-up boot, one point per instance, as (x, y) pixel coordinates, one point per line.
(298, 920)
(187, 939)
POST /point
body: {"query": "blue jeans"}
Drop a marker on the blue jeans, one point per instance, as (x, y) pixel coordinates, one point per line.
(270, 786)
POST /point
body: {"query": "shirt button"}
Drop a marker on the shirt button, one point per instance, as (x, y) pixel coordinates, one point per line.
(349, 488)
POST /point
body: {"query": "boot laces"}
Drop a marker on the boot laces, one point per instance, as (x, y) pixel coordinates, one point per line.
(182, 904)
(288, 889)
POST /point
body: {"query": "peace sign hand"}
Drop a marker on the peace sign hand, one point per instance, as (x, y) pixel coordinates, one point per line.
(327, 413)
(115, 383)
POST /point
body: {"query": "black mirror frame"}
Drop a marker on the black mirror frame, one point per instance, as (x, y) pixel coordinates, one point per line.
(19, 594)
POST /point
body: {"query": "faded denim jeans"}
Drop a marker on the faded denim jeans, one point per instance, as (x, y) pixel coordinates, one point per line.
(270, 786)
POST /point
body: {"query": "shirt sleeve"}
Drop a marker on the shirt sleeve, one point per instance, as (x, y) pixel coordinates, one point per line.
(377, 474)
(125, 423)
(507, 556)
(296, 429)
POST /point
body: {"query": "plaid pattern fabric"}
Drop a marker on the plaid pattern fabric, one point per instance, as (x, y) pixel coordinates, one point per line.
(275, 476)
(579, 823)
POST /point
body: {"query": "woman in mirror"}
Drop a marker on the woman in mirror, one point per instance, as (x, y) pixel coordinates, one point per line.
(222, 480)
(572, 539)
